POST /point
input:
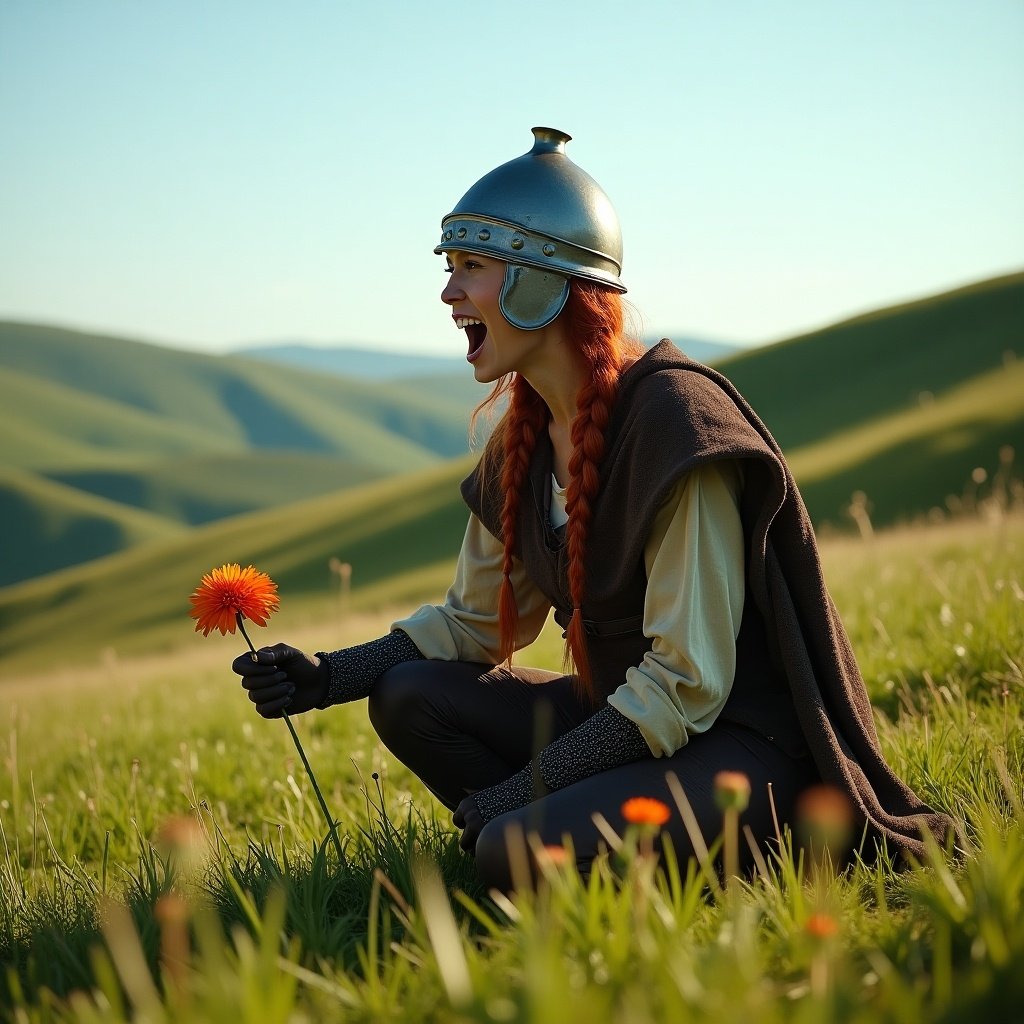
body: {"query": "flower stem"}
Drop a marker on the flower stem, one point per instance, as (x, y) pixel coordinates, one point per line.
(731, 843)
(302, 754)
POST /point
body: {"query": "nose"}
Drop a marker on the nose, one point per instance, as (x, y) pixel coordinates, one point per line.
(452, 291)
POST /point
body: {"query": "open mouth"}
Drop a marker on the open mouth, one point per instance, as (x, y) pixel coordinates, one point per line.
(476, 334)
(476, 331)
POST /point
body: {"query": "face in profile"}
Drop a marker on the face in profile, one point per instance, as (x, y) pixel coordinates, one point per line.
(494, 346)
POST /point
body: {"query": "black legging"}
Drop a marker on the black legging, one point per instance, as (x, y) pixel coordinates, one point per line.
(464, 727)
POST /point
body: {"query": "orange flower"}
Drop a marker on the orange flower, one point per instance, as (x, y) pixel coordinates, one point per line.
(825, 819)
(230, 591)
(821, 926)
(732, 791)
(645, 810)
(555, 856)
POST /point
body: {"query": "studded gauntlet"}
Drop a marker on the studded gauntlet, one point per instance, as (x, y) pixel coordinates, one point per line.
(605, 740)
(354, 670)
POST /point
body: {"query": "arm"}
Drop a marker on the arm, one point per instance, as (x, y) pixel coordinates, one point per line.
(465, 627)
(694, 604)
(693, 609)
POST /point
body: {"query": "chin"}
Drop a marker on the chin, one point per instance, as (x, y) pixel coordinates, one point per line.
(483, 376)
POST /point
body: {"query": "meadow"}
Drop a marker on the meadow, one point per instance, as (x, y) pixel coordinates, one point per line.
(164, 857)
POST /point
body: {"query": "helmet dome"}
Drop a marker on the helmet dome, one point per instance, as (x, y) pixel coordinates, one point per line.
(548, 219)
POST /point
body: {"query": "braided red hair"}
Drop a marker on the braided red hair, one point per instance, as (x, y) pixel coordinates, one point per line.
(593, 322)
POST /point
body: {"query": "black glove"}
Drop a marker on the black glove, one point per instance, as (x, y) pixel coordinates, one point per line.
(467, 816)
(283, 678)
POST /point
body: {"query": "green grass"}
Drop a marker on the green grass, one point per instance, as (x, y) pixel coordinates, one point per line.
(101, 764)
(919, 459)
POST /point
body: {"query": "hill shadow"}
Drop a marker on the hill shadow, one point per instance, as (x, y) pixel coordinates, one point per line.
(264, 423)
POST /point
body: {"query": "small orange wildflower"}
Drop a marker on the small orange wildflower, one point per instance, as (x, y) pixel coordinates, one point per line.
(732, 791)
(231, 591)
(821, 926)
(557, 854)
(825, 818)
(645, 810)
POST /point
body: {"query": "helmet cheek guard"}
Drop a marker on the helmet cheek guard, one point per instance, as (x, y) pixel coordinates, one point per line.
(531, 298)
(548, 220)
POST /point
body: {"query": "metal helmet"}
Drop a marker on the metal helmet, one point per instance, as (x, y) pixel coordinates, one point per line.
(548, 219)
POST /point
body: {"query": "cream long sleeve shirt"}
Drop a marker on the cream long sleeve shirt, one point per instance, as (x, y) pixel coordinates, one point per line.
(694, 558)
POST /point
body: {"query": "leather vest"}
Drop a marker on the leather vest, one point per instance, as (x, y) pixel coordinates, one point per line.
(636, 478)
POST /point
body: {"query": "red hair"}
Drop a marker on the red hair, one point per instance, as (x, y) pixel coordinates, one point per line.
(593, 322)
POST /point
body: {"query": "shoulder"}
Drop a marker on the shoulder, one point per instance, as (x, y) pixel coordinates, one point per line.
(664, 394)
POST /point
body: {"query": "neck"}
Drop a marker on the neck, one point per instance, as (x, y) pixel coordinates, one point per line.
(557, 377)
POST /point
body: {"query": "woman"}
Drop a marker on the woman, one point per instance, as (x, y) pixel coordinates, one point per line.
(637, 496)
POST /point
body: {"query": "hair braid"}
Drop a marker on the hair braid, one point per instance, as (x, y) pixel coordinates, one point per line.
(593, 317)
(597, 334)
(524, 420)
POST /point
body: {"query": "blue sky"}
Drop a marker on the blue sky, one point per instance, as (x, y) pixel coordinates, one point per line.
(209, 174)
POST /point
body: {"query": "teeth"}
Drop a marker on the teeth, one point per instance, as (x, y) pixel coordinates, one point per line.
(463, 322)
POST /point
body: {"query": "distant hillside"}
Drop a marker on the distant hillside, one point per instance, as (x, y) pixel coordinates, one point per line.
(48, 526)
(904, 405)
(375, 364)
(361, 363)
(405, 528)
(816, 385)
(924, 459)
(244, 403)
(197, 489)
(187, 438)
(47, 424)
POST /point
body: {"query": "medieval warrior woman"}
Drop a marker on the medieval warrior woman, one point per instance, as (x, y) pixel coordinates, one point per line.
(638, 496)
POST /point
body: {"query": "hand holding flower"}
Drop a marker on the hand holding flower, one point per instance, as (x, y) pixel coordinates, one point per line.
(224, 600)
(282, 678)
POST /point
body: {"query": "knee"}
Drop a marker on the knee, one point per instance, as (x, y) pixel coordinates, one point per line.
(397, 697)
(493, 864)
(503, 860)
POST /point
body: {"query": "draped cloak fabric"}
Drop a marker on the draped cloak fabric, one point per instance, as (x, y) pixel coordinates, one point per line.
(672, 415)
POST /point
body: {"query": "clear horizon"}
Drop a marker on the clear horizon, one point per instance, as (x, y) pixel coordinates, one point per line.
(208, 178)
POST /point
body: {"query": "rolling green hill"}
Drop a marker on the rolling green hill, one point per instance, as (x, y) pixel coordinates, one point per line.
(244, 403)
(50, 425)
(815, 386)
(197, 489)
(904, 405)
(913, 461)
(399, 535)
(48, 525)
(187, 437)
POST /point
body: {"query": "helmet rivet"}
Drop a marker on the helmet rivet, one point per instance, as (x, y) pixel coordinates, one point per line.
(549, 249)
(517, 243)
(484, 235)
(448, 235)
(461, 233)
